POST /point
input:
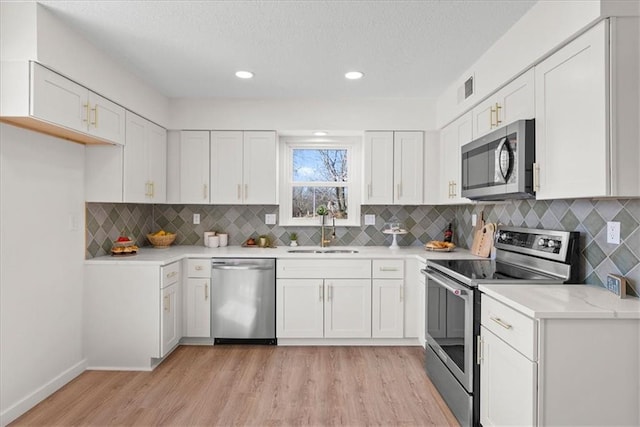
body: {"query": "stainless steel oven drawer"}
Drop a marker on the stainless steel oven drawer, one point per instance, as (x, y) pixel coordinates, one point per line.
(459, 401)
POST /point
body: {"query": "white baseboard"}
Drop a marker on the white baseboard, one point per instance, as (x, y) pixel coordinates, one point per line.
(349, 341)
(41, 393)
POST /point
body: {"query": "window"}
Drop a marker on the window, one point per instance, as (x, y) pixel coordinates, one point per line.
(320, 174)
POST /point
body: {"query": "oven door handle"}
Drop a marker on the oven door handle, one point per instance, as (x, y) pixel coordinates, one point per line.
(449, 285)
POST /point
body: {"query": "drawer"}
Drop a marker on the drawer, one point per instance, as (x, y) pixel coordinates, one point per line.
(169, 274)
(516, 329)
(324, 269)
(199, 267)
(388, 269)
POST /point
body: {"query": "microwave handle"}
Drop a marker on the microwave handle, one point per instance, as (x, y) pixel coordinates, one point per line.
(504, 147)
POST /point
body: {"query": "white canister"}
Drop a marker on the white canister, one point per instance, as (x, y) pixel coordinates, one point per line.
(224, 239)
(214, 241)
(206, 236)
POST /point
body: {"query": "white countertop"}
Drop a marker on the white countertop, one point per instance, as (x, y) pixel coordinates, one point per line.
(176, 253)
(564, 301)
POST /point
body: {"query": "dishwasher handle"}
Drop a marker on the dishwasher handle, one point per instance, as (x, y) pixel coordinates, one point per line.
(241, 267)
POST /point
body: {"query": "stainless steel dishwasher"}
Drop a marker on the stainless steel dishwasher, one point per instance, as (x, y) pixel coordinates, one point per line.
(243, 301)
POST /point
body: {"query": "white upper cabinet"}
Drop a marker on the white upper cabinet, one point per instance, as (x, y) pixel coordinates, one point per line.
(145, 161)
(513, 102)
(393, 167)
(587, 115)
(194, 167)
(452, 137)
(133, 173)
(244, 167)
(45, 101)
(378, 168)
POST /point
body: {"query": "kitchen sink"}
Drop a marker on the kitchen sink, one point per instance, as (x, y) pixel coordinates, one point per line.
(319, 251)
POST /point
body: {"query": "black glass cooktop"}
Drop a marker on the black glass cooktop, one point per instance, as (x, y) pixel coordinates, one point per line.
(488, 270)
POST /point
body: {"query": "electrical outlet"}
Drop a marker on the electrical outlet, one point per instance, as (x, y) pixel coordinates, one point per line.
(613, 232)
(270, 219)
(474, 220)
(369, 220)
(196, 218)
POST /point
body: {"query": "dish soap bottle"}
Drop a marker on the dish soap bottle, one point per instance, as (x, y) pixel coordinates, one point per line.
(448, 233)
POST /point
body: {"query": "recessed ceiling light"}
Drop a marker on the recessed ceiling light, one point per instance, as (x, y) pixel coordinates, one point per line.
(244, 74)
(321, 133)
(354, 75)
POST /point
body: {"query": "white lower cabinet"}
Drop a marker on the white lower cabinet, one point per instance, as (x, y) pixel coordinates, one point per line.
(347, 308)
(387, 305)
(197, 301)
(132, 315)
(323, 299)
(508, 387)
(557, 370)
(300, 308)
(318, 308)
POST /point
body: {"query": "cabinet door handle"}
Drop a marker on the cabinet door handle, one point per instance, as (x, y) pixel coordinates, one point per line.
(536, 177)
(206, 292)
(320, 293)
(401, 294)
(205, 191)
(167, 303)
(153, 190)
(198, 267)
(399, 190)
(479, 350)
(498, 108)
(246, 191)
(146, 189)
(172, 274)
(500, 322)
(239, 192)
(329, 293)
(492, 124)
(388, 269)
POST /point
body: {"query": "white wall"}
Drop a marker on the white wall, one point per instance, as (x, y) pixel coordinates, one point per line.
(41, 267)
(543, 28)
(303, 114)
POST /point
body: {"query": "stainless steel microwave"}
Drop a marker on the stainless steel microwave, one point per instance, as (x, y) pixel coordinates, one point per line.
(499, 166)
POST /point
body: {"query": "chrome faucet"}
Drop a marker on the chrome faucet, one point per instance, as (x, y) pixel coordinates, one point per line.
(324, 242)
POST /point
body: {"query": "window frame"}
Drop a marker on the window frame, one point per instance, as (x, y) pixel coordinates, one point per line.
(353, 145)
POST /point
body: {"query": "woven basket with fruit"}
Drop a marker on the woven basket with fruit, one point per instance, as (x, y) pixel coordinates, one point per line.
(161, 239)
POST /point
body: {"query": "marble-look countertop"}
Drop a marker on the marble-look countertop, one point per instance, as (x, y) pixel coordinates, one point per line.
(564, 301)
(150, 255)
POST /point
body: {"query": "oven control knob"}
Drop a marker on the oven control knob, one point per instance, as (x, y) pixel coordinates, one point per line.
(504, 236)
(551, 243)
(542, 242)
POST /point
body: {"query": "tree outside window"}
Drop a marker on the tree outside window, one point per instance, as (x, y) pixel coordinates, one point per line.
(320, 178)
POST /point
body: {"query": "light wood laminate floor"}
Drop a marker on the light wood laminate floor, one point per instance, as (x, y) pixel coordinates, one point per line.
(256, 386)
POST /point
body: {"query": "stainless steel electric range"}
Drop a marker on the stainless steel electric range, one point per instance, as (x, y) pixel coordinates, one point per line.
(523, 256)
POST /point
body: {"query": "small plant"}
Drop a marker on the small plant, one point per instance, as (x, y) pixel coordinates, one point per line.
(322, 210)
(293, 236)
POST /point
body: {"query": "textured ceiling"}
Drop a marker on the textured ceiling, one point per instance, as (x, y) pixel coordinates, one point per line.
(295, 48)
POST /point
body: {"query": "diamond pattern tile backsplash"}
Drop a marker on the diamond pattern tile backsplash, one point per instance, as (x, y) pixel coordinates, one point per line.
(105, 221)
(588, 216)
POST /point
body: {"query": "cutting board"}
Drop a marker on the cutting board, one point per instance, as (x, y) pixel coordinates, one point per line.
(483, 240)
